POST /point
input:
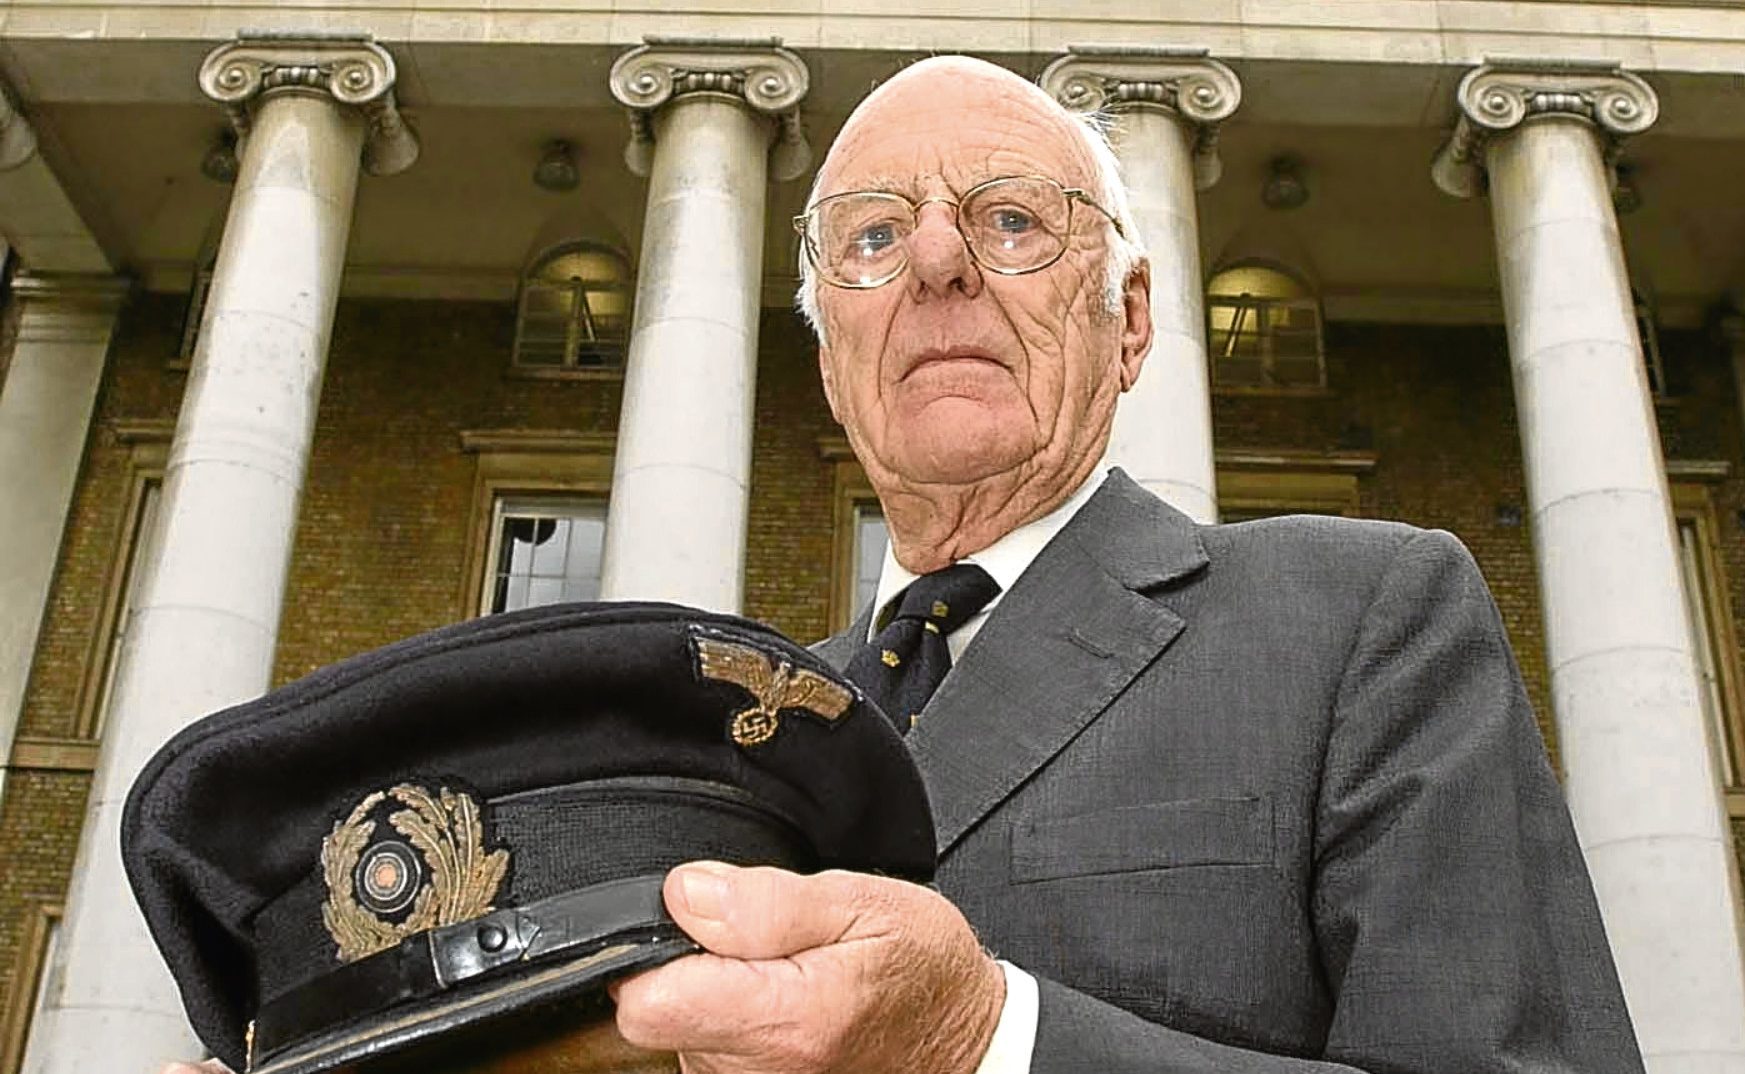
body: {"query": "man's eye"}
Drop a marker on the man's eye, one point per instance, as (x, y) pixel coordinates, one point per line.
(874, 239)
(1012, 221)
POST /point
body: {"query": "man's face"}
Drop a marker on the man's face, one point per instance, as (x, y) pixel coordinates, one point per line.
(951, 373)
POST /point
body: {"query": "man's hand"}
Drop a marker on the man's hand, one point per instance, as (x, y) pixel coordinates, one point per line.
(210, 1066)
(815, 975)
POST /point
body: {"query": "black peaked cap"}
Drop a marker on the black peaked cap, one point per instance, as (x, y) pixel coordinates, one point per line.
(587, 748)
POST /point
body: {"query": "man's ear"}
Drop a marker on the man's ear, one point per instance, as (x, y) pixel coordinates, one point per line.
(1136, 322)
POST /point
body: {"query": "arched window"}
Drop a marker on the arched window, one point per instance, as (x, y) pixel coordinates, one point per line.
(575, 309)
(1263, 330)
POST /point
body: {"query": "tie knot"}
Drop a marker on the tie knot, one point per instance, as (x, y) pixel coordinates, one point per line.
(948, 598)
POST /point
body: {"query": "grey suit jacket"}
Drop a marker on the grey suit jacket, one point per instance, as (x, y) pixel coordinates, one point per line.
(1265, 797)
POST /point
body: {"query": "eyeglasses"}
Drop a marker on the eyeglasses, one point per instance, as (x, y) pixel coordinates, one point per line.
(1011, 225)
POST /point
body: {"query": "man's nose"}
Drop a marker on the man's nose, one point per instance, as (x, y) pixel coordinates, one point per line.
(939, 260)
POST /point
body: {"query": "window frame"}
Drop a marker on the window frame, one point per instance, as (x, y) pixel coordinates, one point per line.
(500, 512)
(512, 463)
(148, 458)
(1692, 501)
(30, 969)
(850, 491)
(1293, 482)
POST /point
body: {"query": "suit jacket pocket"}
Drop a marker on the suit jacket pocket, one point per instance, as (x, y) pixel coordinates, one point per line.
(1159, 835)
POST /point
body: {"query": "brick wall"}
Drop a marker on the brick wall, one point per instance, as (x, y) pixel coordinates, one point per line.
(383, 529)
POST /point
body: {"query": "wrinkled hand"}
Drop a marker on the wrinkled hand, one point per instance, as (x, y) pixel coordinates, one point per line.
(819, 974)
(210, 1066)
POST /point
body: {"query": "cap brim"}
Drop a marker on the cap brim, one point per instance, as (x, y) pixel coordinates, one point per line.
(400, 1029)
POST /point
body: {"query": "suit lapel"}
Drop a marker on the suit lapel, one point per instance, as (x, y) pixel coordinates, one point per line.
(1057, 650)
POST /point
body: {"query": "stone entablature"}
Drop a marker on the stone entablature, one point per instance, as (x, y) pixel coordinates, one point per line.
(1706, 36)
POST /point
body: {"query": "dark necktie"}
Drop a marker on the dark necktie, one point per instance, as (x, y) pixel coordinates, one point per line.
(902, 666)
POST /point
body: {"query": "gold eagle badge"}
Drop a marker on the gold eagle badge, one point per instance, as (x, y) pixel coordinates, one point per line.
(773, 683)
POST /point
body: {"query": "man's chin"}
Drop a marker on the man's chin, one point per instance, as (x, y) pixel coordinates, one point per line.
(956, 455)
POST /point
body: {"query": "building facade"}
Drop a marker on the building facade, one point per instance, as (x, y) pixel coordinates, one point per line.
(328, 323)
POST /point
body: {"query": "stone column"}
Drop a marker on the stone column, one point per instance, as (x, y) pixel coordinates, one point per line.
(208, 611)
(1167, 105)
(50, 391)
(1641, 778)
(703, 118)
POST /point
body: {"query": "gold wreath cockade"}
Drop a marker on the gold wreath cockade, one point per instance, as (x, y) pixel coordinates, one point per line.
(457, 880)
(774, 685)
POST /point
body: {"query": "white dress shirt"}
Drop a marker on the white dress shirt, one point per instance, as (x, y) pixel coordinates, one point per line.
(1015, 1036)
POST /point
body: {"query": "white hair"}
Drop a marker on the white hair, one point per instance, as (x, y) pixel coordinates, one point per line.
(1125, 247)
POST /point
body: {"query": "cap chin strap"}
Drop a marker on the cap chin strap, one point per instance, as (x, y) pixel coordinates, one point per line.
(573, 924)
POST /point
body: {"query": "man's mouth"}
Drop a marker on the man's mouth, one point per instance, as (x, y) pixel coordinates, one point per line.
(939, 355)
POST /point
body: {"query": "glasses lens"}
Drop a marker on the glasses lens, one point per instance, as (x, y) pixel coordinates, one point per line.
(861, 239)
(1014, 225)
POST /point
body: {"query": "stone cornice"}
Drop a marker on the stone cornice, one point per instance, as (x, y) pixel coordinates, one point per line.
(759, 72)
(350, 68)
(17, 139)
(1501, 94)
(1187, 83)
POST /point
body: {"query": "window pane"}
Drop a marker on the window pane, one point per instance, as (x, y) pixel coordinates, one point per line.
(870, 538)
(549, 551)
(517, 545)
(142, 549)
(548, 302)
(543, 591)
(550, 542)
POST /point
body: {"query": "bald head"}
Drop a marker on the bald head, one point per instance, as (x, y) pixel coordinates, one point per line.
(931, 99)
(939, 92)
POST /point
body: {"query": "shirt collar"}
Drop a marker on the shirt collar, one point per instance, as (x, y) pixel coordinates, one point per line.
(1006, 559)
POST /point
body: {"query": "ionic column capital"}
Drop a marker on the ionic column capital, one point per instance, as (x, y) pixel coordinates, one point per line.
(757, 72)
(17, 139)
(1187, 83)
(350, 68)
(1500, 95)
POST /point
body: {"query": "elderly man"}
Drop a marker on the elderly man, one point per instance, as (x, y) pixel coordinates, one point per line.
(1262, 798)
(1257, 798)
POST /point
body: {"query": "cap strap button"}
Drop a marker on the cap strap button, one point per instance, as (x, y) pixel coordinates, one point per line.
(492, 937)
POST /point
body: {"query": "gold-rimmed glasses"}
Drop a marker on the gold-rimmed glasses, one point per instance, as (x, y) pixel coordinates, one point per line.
(1011, 225)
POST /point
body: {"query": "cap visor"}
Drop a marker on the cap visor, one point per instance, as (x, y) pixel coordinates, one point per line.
(419, 1022)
